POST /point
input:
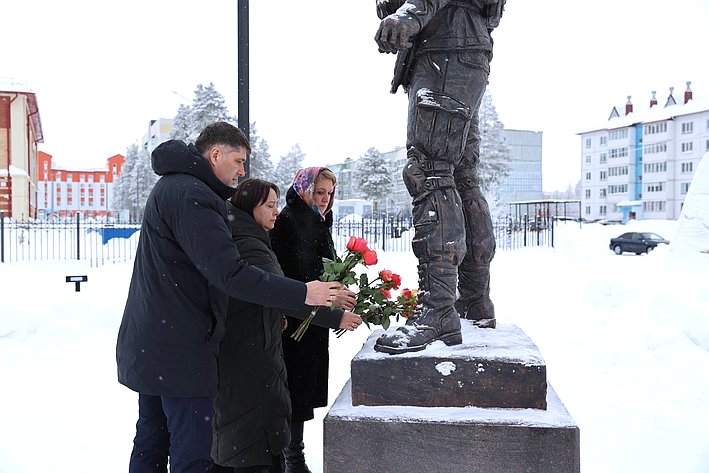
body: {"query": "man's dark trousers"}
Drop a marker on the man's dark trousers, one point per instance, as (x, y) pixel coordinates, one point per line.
(174, 427)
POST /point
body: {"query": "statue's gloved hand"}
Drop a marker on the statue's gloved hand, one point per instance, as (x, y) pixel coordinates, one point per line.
(387, 7)
(396, 32)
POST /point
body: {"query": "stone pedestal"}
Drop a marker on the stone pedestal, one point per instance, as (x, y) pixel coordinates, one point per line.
(483, 406)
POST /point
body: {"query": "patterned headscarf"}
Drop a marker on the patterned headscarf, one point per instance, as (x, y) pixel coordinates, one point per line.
(304, 186)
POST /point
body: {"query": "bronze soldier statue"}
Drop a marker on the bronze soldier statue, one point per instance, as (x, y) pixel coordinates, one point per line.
(444, 50)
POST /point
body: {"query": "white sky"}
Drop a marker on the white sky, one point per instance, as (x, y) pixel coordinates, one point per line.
(102, 71)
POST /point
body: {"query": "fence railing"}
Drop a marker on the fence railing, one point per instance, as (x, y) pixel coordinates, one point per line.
(396, 234)
(101, 243)
(77, 239)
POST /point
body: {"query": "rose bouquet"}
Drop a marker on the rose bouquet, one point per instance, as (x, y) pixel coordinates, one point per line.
(375, 303)
(342, 270)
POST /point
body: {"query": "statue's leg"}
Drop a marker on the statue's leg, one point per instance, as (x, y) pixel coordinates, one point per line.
(474, 272)
(437, 132)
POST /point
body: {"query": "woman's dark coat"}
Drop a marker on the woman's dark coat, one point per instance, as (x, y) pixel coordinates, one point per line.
(300, 240)
(252, 408)
(185, 269)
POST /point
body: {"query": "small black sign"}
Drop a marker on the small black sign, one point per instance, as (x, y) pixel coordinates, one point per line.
(77, 280)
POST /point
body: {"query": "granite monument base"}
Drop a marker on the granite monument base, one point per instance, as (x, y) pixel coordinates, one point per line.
(388, 434)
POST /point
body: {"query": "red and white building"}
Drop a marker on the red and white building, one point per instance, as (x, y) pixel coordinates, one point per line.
(20, 131)
(62, 193)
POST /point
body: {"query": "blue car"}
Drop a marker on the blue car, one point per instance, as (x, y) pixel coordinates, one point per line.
(636, 242)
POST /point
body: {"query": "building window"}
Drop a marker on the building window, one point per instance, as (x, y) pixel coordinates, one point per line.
(602, 209)
(683, 188)
(588, 176)
(587, 210)
(603, 140)
(101, 178)
(588, 142)
(618, 171)
(602, 192)
(604, 156)
(602, 175)
(618, 152)
(619, 134)
(654, 128)
(654, 148)
(654, 206)
(706, 147)
(687, 167)
(618, 189)
(687, 128)
(588, 193)
(687, 147)
(588, 159)
(655, 167)
(654, 187)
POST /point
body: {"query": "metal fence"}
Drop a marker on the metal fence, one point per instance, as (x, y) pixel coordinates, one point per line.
(101, 243)
(77, 239)
(396, 234)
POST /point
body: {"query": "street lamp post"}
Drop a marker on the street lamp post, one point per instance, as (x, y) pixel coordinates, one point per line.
(243, 72)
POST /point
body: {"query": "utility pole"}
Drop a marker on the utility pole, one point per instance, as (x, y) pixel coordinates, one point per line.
(243, 72)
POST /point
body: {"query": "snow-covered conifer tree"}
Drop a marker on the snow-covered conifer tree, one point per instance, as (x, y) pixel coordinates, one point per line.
(208, 106)
(494, 155)
(286, 168)
(124, 191)
(181, 124)
(373, 177)
(260, 164)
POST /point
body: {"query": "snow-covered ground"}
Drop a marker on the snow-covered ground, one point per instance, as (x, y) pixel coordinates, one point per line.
(625, 339)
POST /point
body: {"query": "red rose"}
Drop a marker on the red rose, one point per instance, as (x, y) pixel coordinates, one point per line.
(386, 293)
(357, 244)
(406, 293)
(396, 279)
(386, 275)
(369, 257)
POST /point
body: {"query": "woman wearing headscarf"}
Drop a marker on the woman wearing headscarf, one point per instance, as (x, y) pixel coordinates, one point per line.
(301, 238)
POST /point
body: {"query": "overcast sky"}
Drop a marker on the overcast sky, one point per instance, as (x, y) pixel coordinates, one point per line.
(101, 71)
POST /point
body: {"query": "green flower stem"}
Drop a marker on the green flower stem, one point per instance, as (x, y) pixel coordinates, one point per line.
(300, 331)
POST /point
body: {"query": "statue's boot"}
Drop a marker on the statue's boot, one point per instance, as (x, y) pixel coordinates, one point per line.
(474, 271)
(434, 318)
(474, 302)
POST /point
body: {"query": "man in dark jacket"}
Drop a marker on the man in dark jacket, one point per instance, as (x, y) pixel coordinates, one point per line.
(186, 267)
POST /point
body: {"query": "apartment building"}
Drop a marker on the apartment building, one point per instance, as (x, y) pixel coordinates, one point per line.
(20, 132)
(158, 132)
(640, 163)
(62, 193)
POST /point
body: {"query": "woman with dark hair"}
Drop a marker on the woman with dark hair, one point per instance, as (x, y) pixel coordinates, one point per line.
(301, 238)
(252, 408)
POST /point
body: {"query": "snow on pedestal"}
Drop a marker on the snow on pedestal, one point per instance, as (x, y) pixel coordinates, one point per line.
(449, 430)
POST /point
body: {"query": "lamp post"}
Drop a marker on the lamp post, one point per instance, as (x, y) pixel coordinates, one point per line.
(243, 72)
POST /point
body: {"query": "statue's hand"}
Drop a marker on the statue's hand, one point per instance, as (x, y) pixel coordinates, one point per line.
(396, 32)
(387, 7)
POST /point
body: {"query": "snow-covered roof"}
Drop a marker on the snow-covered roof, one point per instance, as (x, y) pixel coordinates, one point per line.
(14, 172)
(21, 87)
(653, 114)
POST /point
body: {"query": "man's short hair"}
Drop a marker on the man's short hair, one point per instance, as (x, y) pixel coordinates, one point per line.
(222, 134)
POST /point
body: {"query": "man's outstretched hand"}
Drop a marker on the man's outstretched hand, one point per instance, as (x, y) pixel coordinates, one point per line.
(321, 292)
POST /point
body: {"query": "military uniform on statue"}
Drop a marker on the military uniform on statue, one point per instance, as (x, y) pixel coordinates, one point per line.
(444, 51)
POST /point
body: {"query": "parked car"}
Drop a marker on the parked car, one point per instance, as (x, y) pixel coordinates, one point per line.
(636, 242)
